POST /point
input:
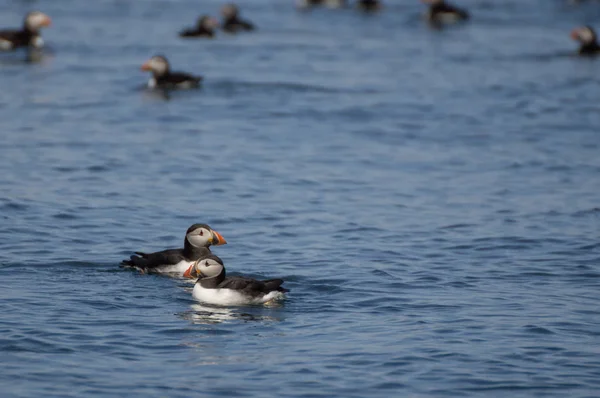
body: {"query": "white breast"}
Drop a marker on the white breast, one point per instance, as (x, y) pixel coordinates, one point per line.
(5, 45)
(178, 268)
(230, 296)
(152, 83)
(37, 42)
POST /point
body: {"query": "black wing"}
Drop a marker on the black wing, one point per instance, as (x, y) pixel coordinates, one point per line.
(16, 37)
(178, 78)
(149, 261)
(450, 9)
(195, 33)
(237, 25)
(252, 286)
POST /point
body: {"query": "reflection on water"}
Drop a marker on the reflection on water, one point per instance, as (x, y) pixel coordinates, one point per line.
(27, 56)
(208, 314)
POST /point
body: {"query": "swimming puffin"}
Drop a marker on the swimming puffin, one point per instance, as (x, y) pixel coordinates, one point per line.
(327, 3)
(587, 37)
(28, 35)
(198, 238)
(214, 287)
(231, 20)
(441, 12)
(205, 27)
(163, 78)
(369, 5)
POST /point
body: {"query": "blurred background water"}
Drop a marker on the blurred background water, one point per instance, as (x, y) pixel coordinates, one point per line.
(430, 198)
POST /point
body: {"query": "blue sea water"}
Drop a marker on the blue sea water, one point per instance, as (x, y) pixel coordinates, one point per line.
(431, 198)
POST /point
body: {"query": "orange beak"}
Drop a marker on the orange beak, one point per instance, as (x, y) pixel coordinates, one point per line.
(220, 238)
(47, 21)
(188, 272)
(574, 34)
(146, 66)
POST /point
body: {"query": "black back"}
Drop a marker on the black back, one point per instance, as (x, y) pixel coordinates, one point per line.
(235, 24)
(438, 9)
(18, 38)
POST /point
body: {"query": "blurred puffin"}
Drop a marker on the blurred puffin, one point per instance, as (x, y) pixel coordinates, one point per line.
(163, 78)
(214, 287)
(369, 5)
(198, 239)
(231, 19)
(587, 37)
(205, 27)
(28, 35)
(326, 3)
(441, 12)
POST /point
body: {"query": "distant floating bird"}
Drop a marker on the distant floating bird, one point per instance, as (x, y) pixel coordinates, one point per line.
(326, 3)
(163, 78)
(232, 23)
(369, 5)
(205, 27)
(28, 35)
(198, 239)
(587, 37)
(214, 287)
(441, 12)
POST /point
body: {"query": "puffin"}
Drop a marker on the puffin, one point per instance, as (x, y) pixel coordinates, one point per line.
(205, 27)
(587, 37)
(369, 5)
(231, 19)
(163, 78)
(28, 35)
(198, 239)
(441, 12)
(214, 287)
(327, 3)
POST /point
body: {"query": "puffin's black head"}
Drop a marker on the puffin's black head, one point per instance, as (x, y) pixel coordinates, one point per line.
(36, 20)
(207, 22)
(206, 267)
(201, 235)
(230, 11)
(158, 65)
(584, 35)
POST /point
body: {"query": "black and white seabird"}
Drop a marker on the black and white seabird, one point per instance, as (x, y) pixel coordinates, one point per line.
(441, 12)
(198, 239)
(28, 35)
(205, 27)
(326, 3)
(214, 287)
(587, 37)
(232, 23)
(163, 78)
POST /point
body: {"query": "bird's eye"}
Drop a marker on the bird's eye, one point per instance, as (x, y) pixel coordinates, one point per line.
(206, 263)
(201, 233)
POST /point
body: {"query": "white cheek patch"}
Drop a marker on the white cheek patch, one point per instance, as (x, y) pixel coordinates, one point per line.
(197, 240)
(5, 45)
(586, 36)
(37, 42)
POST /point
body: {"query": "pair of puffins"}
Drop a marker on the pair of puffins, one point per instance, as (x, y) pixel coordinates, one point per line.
(195, 260)
(206, 25)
